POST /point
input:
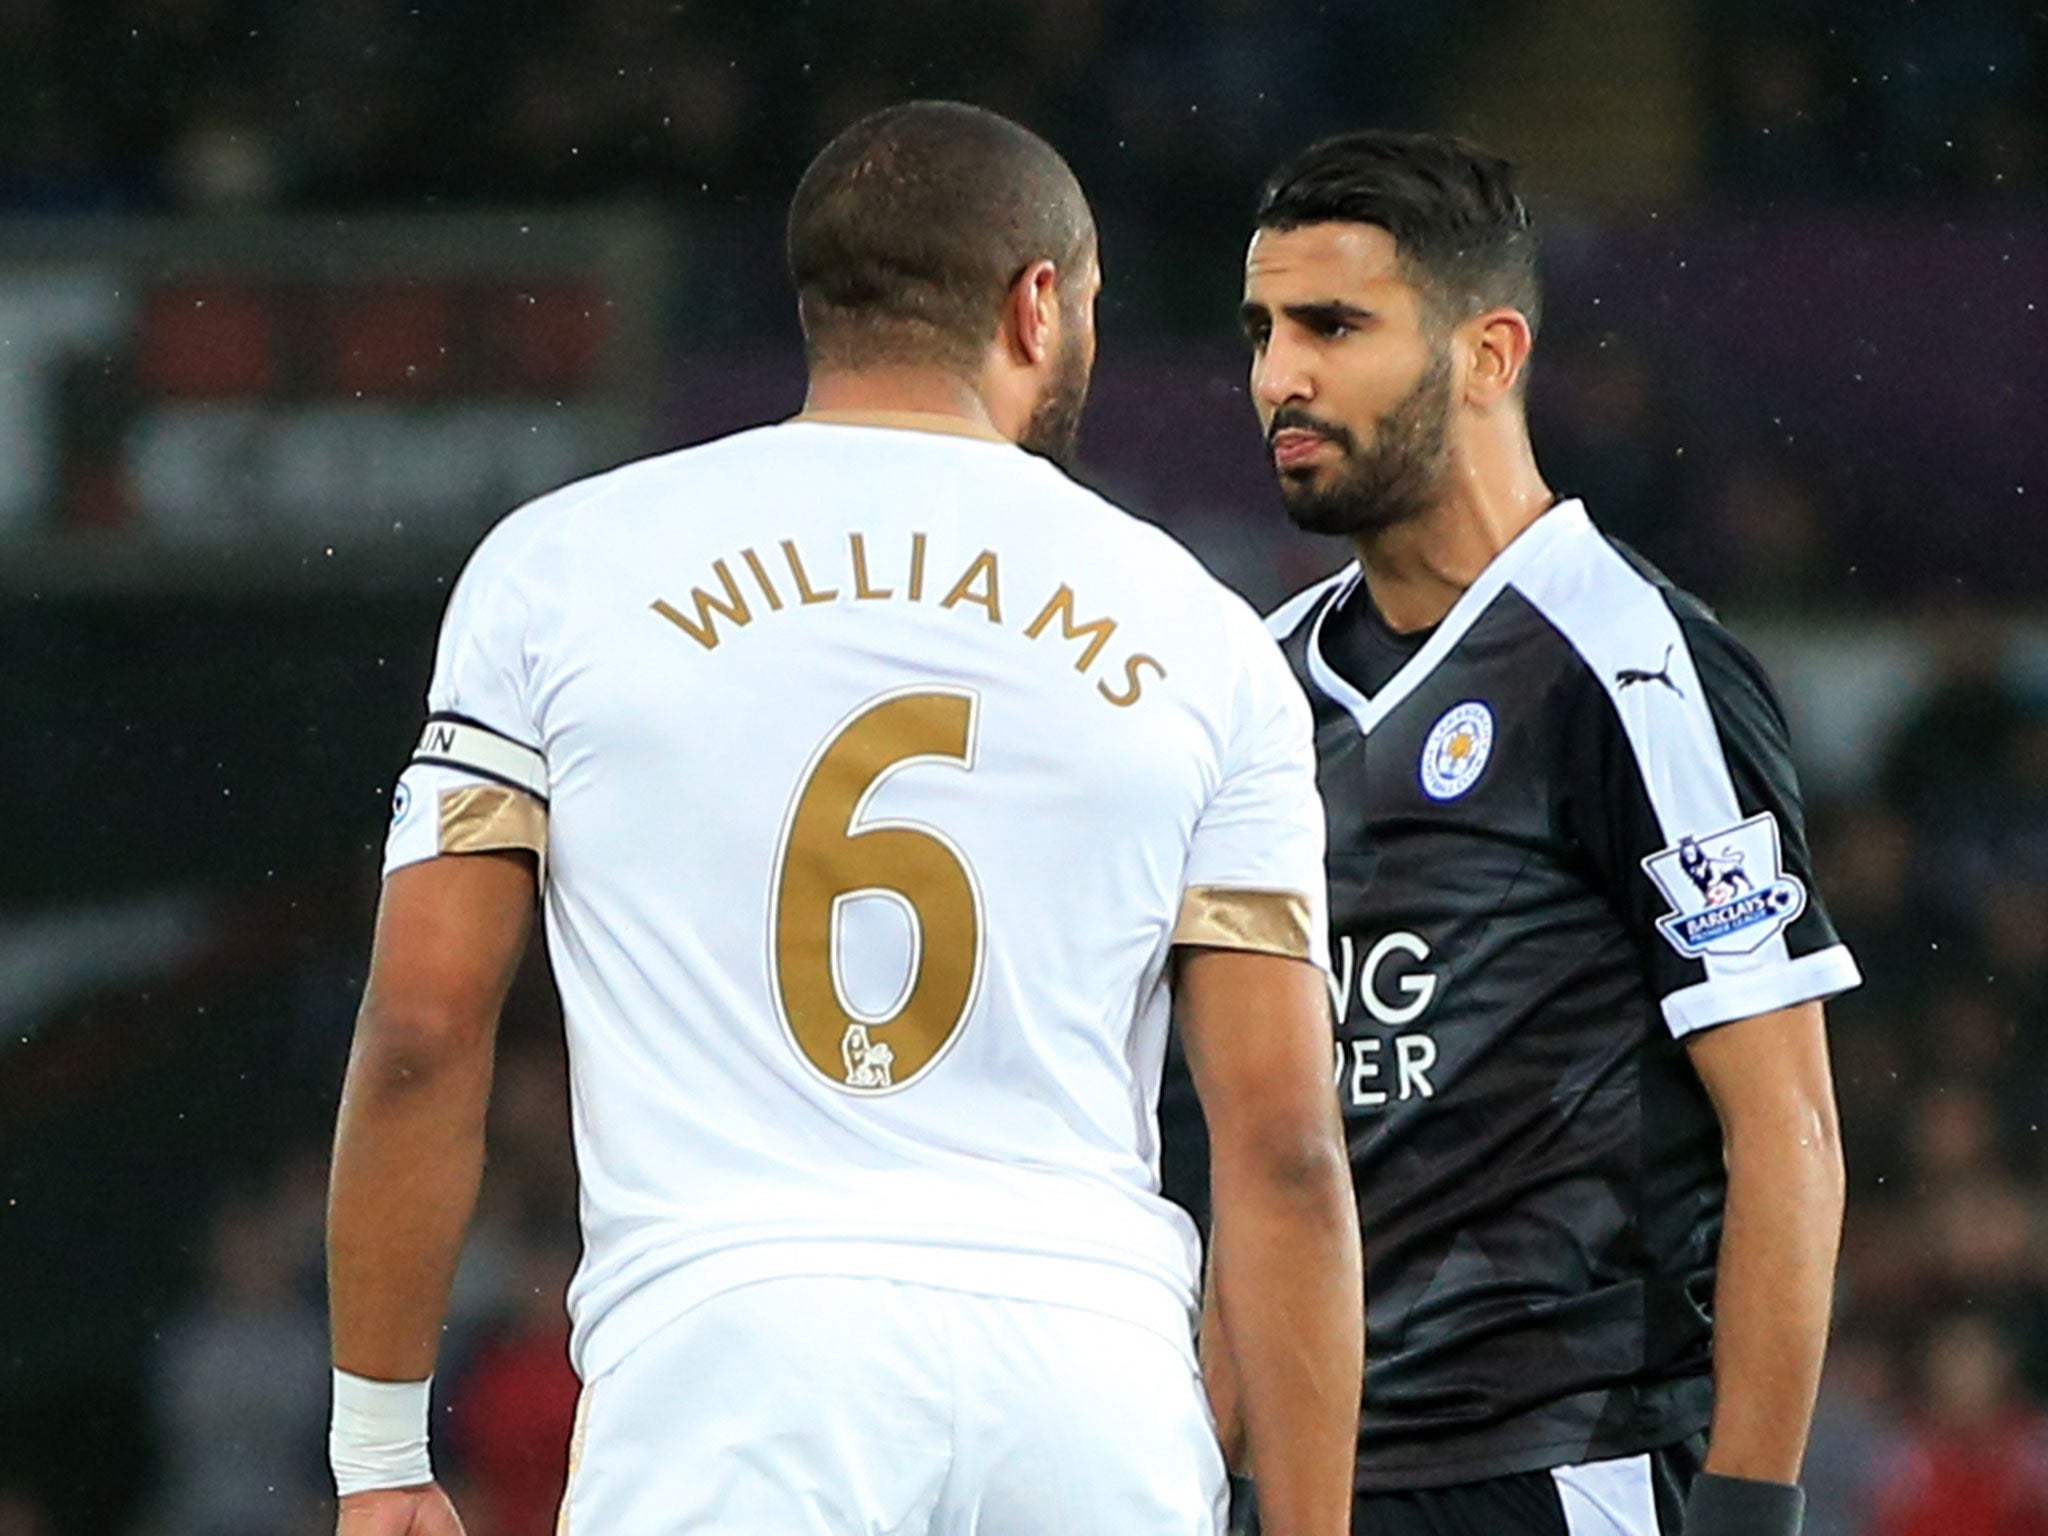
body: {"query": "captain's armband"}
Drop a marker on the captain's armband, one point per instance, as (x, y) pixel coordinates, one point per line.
(468, 789)
(455, 741)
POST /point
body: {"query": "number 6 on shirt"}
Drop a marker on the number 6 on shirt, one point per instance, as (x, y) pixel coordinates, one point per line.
(831, 854)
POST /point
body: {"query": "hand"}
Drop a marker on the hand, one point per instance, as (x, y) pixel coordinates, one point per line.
(423, 1511)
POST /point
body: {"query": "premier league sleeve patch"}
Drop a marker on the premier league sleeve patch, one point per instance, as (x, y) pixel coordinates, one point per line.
(1728, 891)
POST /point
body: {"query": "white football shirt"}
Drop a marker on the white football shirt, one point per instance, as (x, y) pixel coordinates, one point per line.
(876, 767)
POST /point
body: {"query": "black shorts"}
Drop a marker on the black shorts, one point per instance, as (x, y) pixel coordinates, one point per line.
(1629, 1496)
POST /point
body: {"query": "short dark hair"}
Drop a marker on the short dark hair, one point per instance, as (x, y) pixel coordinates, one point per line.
(1464, 235)
(909, 228)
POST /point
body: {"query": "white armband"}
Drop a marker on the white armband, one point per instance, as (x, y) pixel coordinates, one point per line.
(377, 1437)
(455, 742)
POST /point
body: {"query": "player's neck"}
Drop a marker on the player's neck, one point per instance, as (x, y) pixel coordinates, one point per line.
(913, 391)
(1417, 570)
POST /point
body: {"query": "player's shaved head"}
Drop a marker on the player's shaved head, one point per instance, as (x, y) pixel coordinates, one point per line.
(909, 228)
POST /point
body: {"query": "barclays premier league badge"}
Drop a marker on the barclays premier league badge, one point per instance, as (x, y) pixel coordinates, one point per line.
(1729, 893)
(1457, 749)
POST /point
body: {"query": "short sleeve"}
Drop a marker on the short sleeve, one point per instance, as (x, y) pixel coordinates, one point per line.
(1255, 877)
(477, 781)
(1682, 792)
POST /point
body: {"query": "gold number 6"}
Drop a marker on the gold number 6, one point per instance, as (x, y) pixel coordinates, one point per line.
(831, 854)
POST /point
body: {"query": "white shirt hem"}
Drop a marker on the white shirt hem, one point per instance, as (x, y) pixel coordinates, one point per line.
(1133, 1295)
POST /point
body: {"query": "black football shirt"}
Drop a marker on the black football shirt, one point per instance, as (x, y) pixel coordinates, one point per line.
(1565, 834)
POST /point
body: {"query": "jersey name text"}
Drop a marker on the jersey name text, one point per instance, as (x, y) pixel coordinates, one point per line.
(734, 598)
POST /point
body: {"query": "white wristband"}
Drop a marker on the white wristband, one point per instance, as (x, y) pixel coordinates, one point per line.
(378, 1435)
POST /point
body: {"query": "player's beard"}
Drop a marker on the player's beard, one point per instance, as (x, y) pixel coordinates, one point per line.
(1054, 430)
(1394, 479)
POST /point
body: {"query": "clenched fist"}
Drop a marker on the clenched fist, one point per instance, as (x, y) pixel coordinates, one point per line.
(423, 1511)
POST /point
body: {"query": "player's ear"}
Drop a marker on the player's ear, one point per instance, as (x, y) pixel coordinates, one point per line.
(1031, 314)
(1499, 342)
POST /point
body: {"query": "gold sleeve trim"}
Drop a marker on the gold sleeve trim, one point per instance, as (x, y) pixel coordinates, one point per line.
(1272, 922)
(485, 818)
(576, 1435)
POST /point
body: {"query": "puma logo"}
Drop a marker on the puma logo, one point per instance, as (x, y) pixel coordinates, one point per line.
(1629, 676)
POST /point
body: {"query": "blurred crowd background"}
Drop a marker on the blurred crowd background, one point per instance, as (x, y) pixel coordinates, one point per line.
(233, 103)
(296, 295)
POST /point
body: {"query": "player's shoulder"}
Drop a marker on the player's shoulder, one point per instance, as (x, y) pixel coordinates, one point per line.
(1723, 662)
(1229, 663)
(1607, 601)
(656, 476)
(543, 533)
(1283, 622)
(1626, 624)
(1719, 654)
(1149, 558)
(1161, 555)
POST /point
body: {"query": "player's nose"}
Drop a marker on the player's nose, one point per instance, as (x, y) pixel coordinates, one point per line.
(1280, 375)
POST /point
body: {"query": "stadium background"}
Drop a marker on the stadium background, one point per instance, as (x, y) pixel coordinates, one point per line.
(297, 295)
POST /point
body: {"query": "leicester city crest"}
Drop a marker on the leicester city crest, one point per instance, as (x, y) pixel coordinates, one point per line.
(1455, 753)
(1728, 891)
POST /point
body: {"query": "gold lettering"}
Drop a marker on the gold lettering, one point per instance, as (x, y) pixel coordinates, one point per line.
(988, 597)
(767, 587)
(1061, 607)
(861, 588)
(1127, 699)
(704, 631)
(829, 854)
(917, 567)
(803, 582)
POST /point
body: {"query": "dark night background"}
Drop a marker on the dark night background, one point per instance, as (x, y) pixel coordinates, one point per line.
(297, 295)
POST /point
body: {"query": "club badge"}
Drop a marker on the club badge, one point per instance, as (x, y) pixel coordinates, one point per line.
(1728, 891)
(1457, 749)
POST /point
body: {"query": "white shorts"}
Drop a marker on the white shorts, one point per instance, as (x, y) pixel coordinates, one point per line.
(843, 1407)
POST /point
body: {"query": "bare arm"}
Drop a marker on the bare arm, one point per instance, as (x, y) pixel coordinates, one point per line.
(1286, 1337)
(409, 1145)
(1769, 1080)
(1219, 1377)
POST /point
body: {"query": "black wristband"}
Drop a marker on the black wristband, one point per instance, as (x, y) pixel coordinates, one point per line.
(1244, 1508)
(1742, 1506)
